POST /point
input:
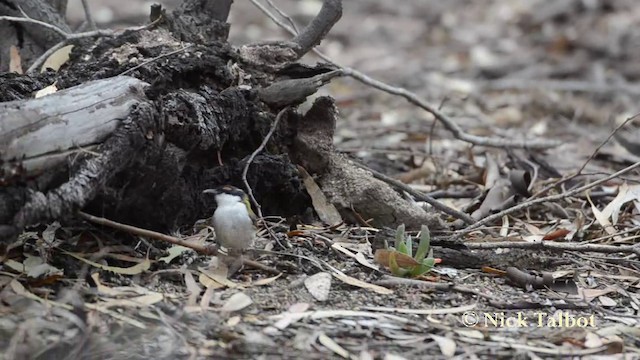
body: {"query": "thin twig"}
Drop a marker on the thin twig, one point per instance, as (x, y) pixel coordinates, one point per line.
(200, 249)
(285, 16)
(557, 197)
(254, 154)
(71, 36)
(553, 245)
(419, 196)
(448, 123)
(37, 22)
(87, 14)
(155, 59)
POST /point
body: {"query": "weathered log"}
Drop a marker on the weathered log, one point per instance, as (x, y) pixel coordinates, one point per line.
(39, 134)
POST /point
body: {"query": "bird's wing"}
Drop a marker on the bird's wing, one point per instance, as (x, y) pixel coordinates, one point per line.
(252, 215)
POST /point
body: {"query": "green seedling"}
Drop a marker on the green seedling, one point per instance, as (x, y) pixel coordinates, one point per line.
(413, 266)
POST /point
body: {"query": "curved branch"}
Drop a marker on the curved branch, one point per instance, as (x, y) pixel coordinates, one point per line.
(318, 28)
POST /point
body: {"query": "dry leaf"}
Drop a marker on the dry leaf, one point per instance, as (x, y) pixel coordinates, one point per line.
(504, 229)
(236, 302)
(590, 294)
(192, 287)
(490, 270)
(325, 210)
(404, 261)
(626, 193)
(361, 284)
(470, 333)
(33, 267)
(446, 345)
(57, 59)
(209, 283)
(133, 270)
(319, 285)
(607, 301)
(174, 251)
(206, 298)
(358, 256)
(219, 275)
(556, 234)
(46, 91)
(20, 290)
(592, 340)
(15, 62)
(265, 281)
(233, 321)
(603, 221)
(333, 346)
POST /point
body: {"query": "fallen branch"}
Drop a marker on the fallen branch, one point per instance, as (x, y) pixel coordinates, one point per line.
(556, 246)
(200, 249)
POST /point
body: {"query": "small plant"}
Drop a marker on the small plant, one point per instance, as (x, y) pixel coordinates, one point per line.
(400, 259)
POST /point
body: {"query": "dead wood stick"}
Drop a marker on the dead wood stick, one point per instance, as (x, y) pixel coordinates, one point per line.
(556, 246)
(87, 14)
(318, 28)
(200, 249)
(254, 154)
(448, 123)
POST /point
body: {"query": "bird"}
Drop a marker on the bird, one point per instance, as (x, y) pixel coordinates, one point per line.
(234, 223)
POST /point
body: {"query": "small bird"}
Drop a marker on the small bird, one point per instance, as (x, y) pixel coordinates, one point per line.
(234, 222)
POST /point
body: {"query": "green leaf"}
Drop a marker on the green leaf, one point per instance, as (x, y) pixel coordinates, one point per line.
(399, 236)
(420, 270)
(409, 245)
(393, 266)
(402, 248)
(425, 267)
(423, 246)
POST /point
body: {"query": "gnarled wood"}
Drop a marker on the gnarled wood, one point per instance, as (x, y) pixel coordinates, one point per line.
(38, 134)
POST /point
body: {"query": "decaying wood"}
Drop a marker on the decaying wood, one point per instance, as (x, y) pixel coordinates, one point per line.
(39, 134)
(354, 191)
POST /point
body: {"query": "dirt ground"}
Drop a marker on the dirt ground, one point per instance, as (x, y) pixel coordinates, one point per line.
(557, 70)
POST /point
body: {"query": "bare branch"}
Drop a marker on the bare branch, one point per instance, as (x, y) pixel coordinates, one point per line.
(254, 154)
(311, 35)
(557, 246)
(87, 14)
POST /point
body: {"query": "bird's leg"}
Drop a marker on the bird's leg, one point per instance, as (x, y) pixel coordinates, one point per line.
(235, 261)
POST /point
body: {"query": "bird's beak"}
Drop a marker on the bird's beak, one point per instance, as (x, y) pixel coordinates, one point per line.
(211, 191)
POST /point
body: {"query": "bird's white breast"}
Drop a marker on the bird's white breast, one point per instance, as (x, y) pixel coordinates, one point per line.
(233, 226)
